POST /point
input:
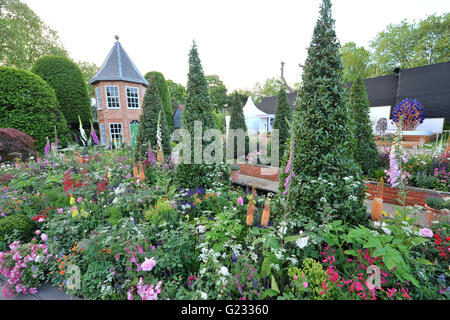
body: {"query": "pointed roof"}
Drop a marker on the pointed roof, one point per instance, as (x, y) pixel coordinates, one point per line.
(250, 109)
(118, 67)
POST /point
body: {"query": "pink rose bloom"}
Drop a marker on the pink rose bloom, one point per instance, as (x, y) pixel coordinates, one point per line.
(38, 232)
(41, 220)
(305, 284)
(219, 193)
(44, 237)
(148, 264)
(240, 201)
(426, 233)
(80, 199)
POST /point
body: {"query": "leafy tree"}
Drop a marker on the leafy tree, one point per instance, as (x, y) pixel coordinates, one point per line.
(409, 45)
(366, 153)
(88, 69)
(177, 93)
(148, 122)
(29, 104)
(14, 142)
(164, 95)
(65, 77)
(355, 60)
(217, 92)
(327, 182)
(283, 115)
(269, 88)
(24, 37)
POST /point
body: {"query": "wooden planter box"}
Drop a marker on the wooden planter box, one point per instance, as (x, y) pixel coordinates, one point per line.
(423, 139)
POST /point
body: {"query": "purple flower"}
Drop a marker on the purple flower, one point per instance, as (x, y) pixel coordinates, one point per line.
(94, 135)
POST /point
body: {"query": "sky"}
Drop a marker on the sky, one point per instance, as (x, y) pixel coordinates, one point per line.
(241, 41)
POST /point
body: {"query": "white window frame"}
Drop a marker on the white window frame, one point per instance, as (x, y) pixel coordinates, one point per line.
(118, 97)
(111, 134)
(98, 96)
(138, 101)
(102, 133)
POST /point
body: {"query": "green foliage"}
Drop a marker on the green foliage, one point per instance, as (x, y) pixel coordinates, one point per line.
(161, 212)
(366, 153)
(29, 104)
(217, 92)
(437, 203)
(164, 95)
(408, 45)
(65, 77)
(177, 93)
(18, 222)
(355, 60)
(283, 116)
(24, 36)
(148, 123)
(313, 274)
(323, 136)
(271, 87)
(237, 121)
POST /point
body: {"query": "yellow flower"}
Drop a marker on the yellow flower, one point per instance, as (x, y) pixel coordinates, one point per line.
(74, 213)
(72, 200)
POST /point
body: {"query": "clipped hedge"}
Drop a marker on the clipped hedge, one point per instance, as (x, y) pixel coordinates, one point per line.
(29, 104)
(18, 222)
(66, 78)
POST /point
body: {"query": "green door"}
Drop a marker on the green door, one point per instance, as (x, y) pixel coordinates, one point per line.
(134, 128)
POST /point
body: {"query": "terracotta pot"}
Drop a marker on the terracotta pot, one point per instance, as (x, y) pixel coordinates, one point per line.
(377, 209)
(235, 175)
(433, 214)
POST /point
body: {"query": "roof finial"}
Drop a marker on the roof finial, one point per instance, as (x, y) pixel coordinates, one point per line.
(117, 37)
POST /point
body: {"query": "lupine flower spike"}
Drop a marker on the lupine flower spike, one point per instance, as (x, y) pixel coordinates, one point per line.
(266, 213)
(251, 208)
(141, 171)
(135, 171)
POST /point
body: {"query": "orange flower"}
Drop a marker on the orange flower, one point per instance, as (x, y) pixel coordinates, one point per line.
(62, 272)
(109, 251)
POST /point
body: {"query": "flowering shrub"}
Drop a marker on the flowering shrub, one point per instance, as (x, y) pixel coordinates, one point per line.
(24, 266)
(15, 143)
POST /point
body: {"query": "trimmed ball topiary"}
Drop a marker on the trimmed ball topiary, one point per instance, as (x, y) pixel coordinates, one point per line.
(29, 104)
(66, 78)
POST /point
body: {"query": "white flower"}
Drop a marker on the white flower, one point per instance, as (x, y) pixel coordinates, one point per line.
(203, 295)
(323, 199)
(224, 271)
(201, 229)
(386, 230)
(302, 242)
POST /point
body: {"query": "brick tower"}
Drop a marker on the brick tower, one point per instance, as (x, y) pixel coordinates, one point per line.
(119, 91)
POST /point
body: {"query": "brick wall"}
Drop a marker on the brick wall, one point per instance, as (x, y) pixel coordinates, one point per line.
(414, 195)
(390, 195)
(263, 172)
(122, 115)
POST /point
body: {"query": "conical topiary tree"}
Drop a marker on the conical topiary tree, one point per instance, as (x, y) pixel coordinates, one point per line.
(197, 108)
(326, 181)
(366, 153)
(237, 121)
(164, 95)
(283, 117)
(148, 124)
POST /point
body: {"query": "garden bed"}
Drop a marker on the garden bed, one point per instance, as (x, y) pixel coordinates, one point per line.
(260, 171)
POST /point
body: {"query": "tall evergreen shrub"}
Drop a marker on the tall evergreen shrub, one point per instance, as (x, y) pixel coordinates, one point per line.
(327, 183)
(366, 153)
(164, 95)
(283, 117)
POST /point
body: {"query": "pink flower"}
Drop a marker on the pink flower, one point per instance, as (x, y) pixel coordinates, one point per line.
(80, 199)
(41, 220)
(148, 264)
(60, 210)
(240, 201)
(44, 237)
(38, 232)
(305, 284)
(426, 233)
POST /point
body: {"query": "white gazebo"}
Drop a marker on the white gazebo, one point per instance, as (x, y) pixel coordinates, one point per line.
(255, 119)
